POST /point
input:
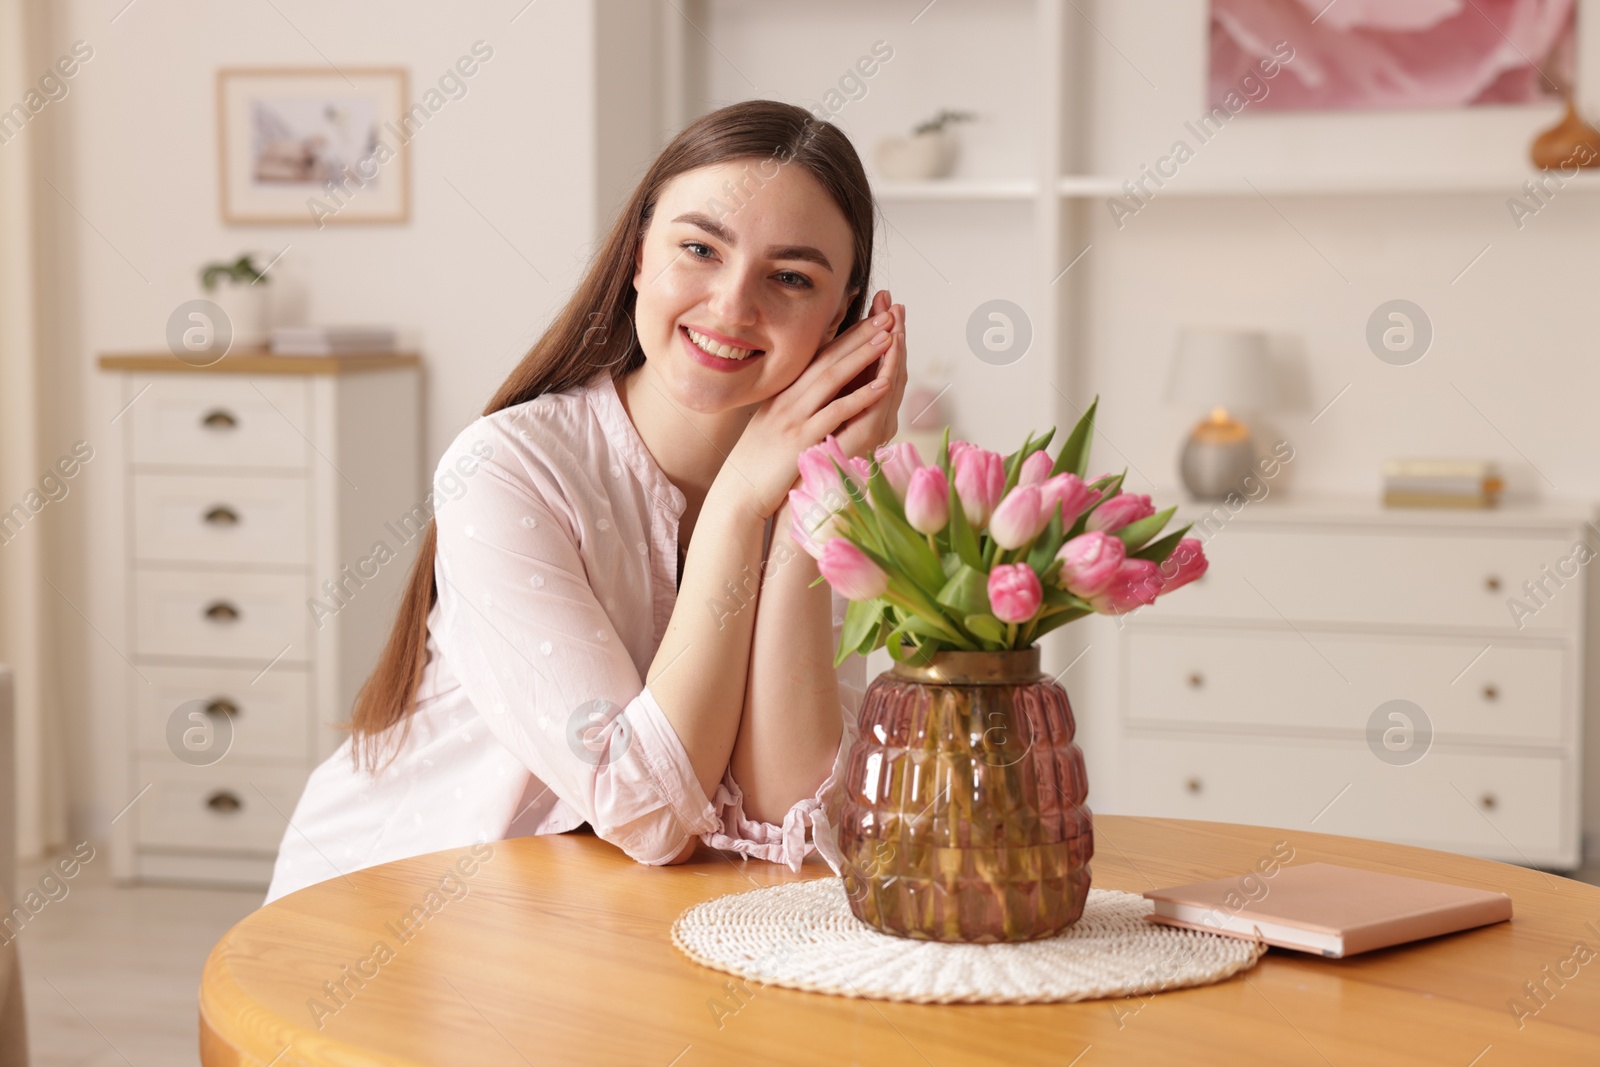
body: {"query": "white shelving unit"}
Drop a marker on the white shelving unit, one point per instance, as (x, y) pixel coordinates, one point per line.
(1070, 111)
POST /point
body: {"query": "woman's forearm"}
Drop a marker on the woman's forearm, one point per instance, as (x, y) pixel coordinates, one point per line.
(699, 672)
(791, 727)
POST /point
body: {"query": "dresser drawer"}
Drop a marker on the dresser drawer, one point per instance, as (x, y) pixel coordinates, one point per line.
(1425, 578)
(212, 421)
(1505, 807)
(232, 616)
(269, 713)
(213, 518)
(1321, 681)
(230, 806)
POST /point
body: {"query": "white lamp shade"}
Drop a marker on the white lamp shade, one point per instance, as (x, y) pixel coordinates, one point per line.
(1222, 367)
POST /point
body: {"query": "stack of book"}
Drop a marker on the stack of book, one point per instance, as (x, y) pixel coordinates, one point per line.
(1441, 483)
(330, 340)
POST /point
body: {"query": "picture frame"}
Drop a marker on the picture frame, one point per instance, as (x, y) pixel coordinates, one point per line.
(313, 146)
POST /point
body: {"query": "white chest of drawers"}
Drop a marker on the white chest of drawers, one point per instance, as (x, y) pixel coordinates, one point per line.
(1263, 693)
(249, 493)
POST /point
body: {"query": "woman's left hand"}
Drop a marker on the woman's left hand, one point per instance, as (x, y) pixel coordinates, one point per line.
(875, 425)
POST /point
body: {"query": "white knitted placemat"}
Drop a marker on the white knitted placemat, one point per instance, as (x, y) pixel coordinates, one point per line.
(803, 935)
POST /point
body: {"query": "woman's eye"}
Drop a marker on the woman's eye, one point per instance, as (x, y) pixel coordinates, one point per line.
(790, 278)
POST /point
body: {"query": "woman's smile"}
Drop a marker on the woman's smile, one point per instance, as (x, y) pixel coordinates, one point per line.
(703, 349)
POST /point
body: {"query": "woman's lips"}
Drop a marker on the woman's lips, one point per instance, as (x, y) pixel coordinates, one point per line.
(705, 358)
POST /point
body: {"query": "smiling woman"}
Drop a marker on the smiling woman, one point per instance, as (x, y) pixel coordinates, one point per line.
(552, 663)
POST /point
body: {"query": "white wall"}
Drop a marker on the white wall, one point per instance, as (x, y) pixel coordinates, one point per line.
(462, 280)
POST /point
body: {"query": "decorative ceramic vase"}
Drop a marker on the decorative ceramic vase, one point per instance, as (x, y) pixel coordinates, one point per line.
(962, 814)
(922, 155)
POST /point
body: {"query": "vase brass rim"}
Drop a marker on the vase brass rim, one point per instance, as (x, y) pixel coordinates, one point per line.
(957, 666)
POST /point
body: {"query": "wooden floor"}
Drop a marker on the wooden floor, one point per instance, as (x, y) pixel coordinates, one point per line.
(110, 974)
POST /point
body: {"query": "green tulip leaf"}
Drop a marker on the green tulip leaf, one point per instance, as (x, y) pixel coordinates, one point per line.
(1047, 545)
(962, 540)
(1045, 625)
(967, 592)
(1074, 455)
(1135, 535)
(1158, 551)
(904, 544)
(861, 620)
(987, 627)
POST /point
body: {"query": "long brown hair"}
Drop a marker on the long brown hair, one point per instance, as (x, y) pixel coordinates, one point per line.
(595, 331)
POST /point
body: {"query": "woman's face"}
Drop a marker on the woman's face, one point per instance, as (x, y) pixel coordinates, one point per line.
(754, 268)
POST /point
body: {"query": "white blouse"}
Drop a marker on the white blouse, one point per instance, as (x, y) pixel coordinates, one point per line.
(557, 570)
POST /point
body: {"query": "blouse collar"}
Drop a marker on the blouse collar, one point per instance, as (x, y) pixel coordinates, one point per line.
(624, 437)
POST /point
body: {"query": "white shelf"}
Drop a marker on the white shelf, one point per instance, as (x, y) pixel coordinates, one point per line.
(957, 189)
(1508, 183)
(1093, 186)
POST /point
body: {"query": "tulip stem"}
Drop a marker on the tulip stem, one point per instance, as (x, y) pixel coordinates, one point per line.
(933, 545)
(931, 615)
(1011, 635)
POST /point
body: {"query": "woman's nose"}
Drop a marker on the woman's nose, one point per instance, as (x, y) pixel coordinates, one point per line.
(733, 299)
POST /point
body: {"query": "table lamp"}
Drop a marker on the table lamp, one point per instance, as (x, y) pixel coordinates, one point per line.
(1220, 369)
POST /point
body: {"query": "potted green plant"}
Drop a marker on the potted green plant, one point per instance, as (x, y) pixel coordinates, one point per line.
(930, 151)
(239, 288)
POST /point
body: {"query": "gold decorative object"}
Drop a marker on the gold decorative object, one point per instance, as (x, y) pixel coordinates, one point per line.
(1572, 142)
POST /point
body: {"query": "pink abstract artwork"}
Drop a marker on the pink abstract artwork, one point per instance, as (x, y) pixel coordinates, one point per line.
(1359, 54)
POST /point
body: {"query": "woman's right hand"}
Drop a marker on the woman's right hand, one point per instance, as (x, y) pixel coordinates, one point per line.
(766, 459)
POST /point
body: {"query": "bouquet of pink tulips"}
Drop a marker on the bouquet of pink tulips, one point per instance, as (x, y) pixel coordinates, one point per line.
(980, 551)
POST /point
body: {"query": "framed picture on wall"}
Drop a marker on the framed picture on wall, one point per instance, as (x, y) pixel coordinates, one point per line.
(313, 146)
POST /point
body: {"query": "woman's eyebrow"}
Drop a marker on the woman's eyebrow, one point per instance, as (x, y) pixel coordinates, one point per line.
(716, 229)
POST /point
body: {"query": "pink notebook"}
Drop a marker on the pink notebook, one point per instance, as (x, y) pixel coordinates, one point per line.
(1328, 909)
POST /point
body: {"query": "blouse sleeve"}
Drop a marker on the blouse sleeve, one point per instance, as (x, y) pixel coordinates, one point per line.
(540, 660)
(788, 843)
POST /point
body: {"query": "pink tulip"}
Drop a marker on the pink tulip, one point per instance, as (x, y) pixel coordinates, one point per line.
(1187, 562)
(1014, 592)
(928, 500)
(813, 522)
(980, 479)
(1136, 583)
(860, 472)
(1090, 562)
(1019, 518)
(1036, 468)
(897, 462)
(955, 449)
(1119, 511)
(849, 571)
(1068, 492)
(817, 470)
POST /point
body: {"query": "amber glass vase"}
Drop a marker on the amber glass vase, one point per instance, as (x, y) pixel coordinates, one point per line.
(962, 814)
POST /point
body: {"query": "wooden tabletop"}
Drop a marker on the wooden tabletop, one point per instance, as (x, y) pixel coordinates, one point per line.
(556, 950)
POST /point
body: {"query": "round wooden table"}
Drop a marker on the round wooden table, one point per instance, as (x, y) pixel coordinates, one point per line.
(556, 949)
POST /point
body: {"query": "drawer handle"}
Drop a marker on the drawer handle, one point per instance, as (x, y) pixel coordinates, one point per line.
(222, 708)
(1490, 692)
(1196, 680)
(1488, 802)
(219, 419)
(224, 800)
(222, 611)
(222, 515)
(1193, 785)
(1492, 583)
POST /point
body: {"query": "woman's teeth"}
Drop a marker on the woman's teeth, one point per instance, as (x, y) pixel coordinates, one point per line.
(710, 347)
